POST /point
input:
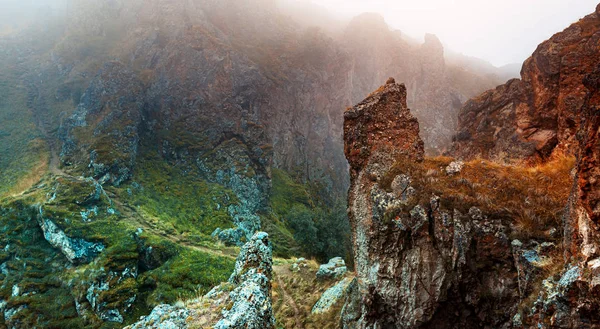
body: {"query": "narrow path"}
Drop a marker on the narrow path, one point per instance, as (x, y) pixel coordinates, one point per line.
(287, 299)
(134, 216)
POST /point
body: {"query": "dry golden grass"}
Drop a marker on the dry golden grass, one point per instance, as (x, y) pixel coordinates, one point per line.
(529, 198)
(305, 290)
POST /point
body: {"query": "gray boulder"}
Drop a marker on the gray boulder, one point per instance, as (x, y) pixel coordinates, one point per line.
(335, 268)
(331, 296)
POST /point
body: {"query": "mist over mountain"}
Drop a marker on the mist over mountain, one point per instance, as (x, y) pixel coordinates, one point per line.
(194, 162)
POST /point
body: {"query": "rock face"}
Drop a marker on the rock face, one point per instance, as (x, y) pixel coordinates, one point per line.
(538, 115)
(380, 126)
(573, 301)
(76, 250)
(584, 207)
(424, 260)
(251, 299)
(102, 136)
(331, 296)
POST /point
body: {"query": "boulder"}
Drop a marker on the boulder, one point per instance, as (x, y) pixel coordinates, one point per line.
(335, 268)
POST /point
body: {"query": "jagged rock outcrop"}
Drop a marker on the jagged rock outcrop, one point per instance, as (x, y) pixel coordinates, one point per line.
(538, 115)
(583, 216)
(251, 299)
(427, 255)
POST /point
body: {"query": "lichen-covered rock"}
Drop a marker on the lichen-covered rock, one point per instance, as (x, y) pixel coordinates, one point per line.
(414, 255)
(163, 317)
(251, 300)
(331, 296)
(335, 268)
(381, 126)
(574, 301)
(75, 249)
(532, 118)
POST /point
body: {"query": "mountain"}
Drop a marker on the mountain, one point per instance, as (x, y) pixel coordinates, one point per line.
(506, 238)
(143, 143)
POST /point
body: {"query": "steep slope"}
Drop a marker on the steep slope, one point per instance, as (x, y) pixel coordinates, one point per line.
(538, 115)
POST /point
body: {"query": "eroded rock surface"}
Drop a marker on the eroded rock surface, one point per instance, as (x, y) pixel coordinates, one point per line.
(538, 115)
(423, 260)
(573, 300)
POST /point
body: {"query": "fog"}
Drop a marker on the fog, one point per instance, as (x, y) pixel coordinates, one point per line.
(501, 32)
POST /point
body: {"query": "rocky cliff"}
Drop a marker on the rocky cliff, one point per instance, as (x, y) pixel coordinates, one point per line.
(538, 115)
(574, 302)
(492, 241)
(441, 243)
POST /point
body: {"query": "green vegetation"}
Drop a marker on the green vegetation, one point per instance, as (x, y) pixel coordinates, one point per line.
(304, 218)
(188, 275)
(167, 270)
(177, 200)
(31, 265)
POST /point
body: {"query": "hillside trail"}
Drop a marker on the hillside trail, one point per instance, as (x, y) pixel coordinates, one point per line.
(287, 299)
(138, 219)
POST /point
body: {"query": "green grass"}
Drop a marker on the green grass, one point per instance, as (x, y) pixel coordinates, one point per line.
(189, 274)
(179, 201)
(286, 193)
(178, 271)
(33, 266)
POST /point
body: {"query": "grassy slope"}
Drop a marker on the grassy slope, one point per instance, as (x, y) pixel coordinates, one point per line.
(23, 153)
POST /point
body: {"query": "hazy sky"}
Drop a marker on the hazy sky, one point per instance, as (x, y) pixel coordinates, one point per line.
(500, 31)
